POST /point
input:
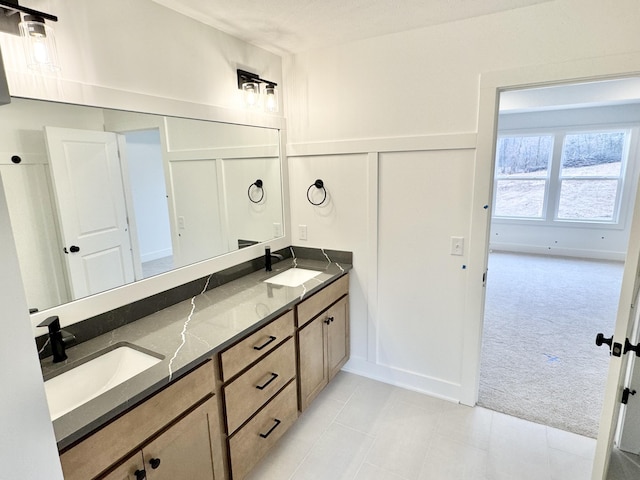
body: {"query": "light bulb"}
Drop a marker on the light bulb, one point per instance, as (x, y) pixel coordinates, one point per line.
(271, 98)
(251, 94)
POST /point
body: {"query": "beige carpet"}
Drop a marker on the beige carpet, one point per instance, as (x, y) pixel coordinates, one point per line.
(539, 358)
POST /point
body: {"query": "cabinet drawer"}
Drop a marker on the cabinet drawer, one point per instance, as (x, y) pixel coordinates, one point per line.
(253, 440)
(318, 302)
(256, 386)
(255, 345)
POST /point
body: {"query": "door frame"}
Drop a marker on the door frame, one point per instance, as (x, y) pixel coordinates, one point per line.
(491, 85)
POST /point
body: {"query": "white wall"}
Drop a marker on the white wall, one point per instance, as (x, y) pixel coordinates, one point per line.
(27, 444)
(419, 92)
(106, 50)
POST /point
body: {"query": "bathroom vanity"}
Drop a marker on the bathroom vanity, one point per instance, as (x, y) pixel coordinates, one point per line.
(239, 362)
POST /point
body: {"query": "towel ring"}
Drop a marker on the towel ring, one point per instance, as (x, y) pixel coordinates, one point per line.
(257, 184)
(318, 184)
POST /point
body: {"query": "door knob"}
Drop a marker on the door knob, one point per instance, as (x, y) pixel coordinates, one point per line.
(600, 340)
(628, 347)
(72, 249)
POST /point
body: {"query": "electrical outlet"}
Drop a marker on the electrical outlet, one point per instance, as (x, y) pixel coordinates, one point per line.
(181, 223)
(302, 232)
(457, 245)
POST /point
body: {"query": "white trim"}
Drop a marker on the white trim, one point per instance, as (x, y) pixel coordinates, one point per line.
(491, 83)
(452, 141)
(372, 250)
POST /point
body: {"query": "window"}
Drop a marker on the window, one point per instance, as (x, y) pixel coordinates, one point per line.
(561, 176)
(590, 175)
(522, 172)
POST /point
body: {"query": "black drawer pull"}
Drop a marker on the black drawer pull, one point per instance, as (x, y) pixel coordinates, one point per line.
(140, 474)
(154, 462)
(263, 386)
(271, 339)
(265, 435)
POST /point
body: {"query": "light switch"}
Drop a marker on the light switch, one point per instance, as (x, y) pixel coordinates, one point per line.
(302, 232)
(457, 245)
(277, 229)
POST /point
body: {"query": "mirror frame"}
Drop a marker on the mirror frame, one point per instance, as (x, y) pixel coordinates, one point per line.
(102, 97)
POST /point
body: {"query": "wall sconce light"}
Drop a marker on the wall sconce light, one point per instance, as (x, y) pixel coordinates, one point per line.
(37, 37)
(254, 95)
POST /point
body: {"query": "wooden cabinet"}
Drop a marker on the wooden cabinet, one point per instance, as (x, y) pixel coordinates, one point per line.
(218, 421)
(184, 450)
(323, 342)
(160, 424)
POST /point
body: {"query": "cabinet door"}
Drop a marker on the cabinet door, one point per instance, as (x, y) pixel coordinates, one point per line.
(313, 366)
(187, 449)
(129, 470)
(337, 336)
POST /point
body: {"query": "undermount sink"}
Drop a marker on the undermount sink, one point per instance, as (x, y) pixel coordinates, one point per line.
(294, 277)
(102, 372)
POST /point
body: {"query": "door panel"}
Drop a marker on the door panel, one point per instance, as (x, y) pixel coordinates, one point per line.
(337, 337)
(313, 370)
(87, 180)
(184, 450)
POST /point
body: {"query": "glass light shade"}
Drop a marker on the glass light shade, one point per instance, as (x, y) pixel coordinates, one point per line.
(251, 91)
(39, 44)
(271, 98)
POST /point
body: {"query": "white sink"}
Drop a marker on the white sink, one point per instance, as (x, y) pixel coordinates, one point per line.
(77, 386)
(293, 277)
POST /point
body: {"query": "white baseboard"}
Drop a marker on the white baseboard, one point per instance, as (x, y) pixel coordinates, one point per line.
(560, 252)
(429, 386)
(147, 257)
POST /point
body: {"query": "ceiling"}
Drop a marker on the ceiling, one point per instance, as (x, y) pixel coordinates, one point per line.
(294, 26)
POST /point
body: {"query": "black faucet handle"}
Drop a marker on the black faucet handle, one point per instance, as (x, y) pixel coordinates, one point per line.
(53, 323)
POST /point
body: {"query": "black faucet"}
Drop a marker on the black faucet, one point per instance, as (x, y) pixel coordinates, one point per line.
(55, 337)
(267, 258)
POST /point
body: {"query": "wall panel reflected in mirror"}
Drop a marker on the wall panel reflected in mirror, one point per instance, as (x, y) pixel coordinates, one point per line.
(100, 198)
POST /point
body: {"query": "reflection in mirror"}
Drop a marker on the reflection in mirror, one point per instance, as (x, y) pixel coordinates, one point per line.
(100, 198)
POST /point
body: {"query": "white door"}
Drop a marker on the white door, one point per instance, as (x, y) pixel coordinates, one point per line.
(88, 187)
(618, 364)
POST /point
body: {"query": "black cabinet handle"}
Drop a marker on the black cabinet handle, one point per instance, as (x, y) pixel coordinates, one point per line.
(327, 320)
(271, 339)
(264, 385)
(265, 435)
(154, 462)
(140, 474)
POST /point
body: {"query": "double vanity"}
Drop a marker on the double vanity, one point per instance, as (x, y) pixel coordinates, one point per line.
(204, 388)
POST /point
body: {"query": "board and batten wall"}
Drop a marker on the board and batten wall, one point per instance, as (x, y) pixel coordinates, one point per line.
(108, 50)
(390, 124)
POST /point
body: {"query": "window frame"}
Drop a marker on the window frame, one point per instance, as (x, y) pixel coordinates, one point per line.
(626, 179)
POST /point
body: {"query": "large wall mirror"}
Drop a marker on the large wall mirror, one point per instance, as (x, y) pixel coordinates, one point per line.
(100, 198)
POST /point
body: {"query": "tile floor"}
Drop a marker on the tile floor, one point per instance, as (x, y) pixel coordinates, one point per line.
(361, 429)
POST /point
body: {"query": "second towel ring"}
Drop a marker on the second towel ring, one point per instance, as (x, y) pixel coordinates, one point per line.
(319, 184)
(257, 184)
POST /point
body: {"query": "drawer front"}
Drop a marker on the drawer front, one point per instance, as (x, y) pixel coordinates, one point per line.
(255, 345)
(318, 302)
(256, 386)
(255, 439)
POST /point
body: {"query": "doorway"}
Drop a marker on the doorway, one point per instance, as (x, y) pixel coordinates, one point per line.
(520, 240)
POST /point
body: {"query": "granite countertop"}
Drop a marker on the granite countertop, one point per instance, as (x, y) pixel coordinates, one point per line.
(185, 334)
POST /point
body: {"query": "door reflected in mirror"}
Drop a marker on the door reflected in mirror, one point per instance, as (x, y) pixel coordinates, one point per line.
(100, 198)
